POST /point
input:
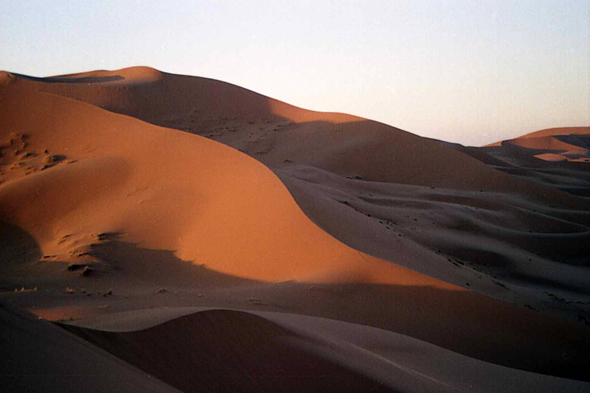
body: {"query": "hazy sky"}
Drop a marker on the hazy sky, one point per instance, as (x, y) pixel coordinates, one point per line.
(464, 71)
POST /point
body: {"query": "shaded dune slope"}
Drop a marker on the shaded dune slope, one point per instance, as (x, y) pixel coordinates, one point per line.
(37, 356)
(228, 351)
(225, 350)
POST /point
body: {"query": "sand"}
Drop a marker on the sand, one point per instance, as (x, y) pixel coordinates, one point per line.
(190, 234)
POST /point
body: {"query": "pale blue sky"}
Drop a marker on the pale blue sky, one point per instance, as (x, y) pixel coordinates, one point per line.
(471, 72)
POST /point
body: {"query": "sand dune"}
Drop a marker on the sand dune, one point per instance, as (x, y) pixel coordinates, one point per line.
(276, 133)
(304, 145)
(40, 357)
(555, 144)
(301, 354)
(470, 253)
(556, 157)
(196, 197)
(557, 131)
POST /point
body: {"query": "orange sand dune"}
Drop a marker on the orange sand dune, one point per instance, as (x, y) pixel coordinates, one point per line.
(279, 134)
(158, 97)
(343, 145)
(551, 132)
(290, 140)
(102, 212)
(555, 157)
(557, 131)
(555, 144)
(213, 205)
(543, 142)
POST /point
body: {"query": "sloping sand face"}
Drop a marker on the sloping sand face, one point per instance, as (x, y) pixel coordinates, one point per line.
(225, 350)
(276, 133)
(163, 189)
(473, 209)
(104, 212)
(38, 356)
(552, 144)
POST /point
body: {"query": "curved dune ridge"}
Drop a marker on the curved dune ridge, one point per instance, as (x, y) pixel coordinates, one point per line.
(549, 132)
(557, 131)
(210, 204)
(38, 356)
(554, 157)
(129, 75)
(302, 145)
(277, 133)
(112, 201)
(234, 350)
(555, 144)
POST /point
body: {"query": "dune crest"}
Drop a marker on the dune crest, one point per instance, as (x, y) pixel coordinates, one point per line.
(227, 212)
(6, 78)
(130, 75)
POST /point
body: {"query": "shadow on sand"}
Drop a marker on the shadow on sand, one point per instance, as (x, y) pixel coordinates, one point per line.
(83, 79)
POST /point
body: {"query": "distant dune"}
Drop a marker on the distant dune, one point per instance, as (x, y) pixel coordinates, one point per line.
(557, 132)
(555, 144)
(130, 213)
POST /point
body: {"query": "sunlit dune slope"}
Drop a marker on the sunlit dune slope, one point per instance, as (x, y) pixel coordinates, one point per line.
(78, 170)
(553, 144)
(556, 132)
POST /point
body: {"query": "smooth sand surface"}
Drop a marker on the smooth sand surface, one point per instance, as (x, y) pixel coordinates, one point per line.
(394, 361)
(438, 267)
(38, 356)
